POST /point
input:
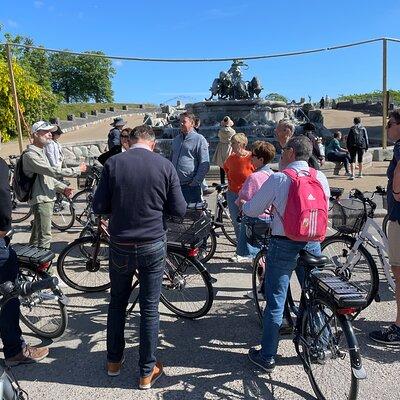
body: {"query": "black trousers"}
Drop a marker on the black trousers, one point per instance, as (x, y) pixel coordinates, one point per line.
(339, 156)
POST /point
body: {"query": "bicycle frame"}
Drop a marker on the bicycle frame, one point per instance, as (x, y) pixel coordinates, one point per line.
(380, 245)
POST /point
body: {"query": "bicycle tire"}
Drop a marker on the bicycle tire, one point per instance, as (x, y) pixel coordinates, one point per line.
(227, 228)
(80, 201)
(52, 327)
(368, 279)
(63, 215)
(385, 224)
(176, 294)
(207, 250)
(74, 264)
(325, 344)
(19, 211)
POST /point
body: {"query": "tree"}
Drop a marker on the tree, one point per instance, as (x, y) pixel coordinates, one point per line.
(35, 101)
(82, 78)
(276, 97)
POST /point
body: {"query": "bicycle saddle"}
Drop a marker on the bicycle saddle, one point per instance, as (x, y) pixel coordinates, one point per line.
(307, 259)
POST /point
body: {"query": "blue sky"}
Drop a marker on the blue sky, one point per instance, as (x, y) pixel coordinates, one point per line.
(185, 29)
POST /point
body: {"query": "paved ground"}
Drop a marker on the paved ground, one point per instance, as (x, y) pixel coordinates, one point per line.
(204, 359)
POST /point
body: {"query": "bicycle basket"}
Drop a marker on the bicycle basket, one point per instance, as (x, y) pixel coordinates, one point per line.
(349, 216)
(257, 232)
(190, 230)
(337, 290)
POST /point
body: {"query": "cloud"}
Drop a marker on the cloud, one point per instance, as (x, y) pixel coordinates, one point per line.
(118, 63)
(12, 24)
(38, 4)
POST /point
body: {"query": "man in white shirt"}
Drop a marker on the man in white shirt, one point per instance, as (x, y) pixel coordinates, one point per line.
(53, 149)
(282, 252)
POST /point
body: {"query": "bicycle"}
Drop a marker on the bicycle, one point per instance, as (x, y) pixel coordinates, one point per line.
(353, 219)
(324, 337)
(43, 312)
(83, 265)
(9, 386)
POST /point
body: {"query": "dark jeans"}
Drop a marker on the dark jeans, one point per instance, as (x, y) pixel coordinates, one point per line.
(149, 260)
(10, 331)
(192, 194)
(339, 156)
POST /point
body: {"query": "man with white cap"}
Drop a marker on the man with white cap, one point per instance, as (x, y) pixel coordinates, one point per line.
(115, 132)
(43, 195)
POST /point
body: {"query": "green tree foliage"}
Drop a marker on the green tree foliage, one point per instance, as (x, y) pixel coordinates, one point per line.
(35, 101)
(82, 78)
(376, 95)
(276, 97)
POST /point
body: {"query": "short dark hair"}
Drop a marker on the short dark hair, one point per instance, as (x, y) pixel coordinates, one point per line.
(189, 115)
(143, 132)
(336, 134)
(264, 150)
(357, 120)
(396, 115)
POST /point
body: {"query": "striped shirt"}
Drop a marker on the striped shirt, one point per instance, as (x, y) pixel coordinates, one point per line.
(274, 192)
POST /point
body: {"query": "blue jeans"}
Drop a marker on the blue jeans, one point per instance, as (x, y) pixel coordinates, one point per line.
(149, 259)
(245, 249)
(233, 211)
(10, 331)
(192, 194)
(281, 262)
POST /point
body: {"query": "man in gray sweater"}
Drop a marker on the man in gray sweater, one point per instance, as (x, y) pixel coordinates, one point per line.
(190, 158)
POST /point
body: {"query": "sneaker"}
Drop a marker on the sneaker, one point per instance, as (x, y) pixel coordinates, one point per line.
(240, 259)
(351, 177)
(114, 368)
(389, 336)
(360, 176)
(28, 355)
(256, 358)
(348, 174)
(148, 381)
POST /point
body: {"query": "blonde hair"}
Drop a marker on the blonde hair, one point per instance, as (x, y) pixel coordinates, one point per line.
(240, 138)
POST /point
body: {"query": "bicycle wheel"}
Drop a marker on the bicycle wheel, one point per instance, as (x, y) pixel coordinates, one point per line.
(63, 213)
(186, 289)
(224, 218)
(81, 201)
(259, 264)
(385, 223)
(42, 312)
(363, 271)
(80, 268)
(19, 211)
(208, 248)
(325, 352)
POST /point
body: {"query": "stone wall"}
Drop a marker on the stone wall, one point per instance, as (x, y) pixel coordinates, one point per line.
(368, 107)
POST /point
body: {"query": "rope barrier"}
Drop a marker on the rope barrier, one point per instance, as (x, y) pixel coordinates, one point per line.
(190, 60)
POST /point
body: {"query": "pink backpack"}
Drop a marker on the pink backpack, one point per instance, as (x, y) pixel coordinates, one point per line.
(306, 214)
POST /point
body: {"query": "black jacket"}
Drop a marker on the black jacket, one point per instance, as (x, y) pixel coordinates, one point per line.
(105, 156)
(357, 137)
(5, 197)
(137, 188)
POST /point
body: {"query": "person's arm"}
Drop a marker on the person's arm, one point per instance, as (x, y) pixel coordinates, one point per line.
(247, 191)
(5, 198)
(263, 198)
(366, 139)
(204, 162)
(33, 163)
(175, 204)
(102, 196)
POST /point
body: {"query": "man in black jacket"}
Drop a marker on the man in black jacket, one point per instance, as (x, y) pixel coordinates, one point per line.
(357, 144)
(14, 348)
(136, 189)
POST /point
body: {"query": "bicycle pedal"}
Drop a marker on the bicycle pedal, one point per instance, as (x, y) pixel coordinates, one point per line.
(377, 298)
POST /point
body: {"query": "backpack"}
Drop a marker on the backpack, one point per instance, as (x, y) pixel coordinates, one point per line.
(358, 134)
(306, 214)
(21, 183)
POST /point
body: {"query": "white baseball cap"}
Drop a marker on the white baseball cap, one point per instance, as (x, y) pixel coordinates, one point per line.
(43, 126)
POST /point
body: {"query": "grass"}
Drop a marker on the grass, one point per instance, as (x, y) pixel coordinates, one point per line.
(76, 108)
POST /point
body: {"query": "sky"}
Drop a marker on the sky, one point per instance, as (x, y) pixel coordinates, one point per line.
(220, 28)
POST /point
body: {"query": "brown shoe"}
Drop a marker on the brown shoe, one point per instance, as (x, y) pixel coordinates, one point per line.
(148, 381)
(28, 355)
(114, 368)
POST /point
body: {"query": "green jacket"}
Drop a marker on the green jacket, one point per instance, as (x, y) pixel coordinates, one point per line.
(46, 184)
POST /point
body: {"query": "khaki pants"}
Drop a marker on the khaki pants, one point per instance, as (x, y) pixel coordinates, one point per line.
(41, 229)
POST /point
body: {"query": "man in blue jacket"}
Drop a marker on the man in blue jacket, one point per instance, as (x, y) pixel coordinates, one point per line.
(190, 158)
(136, 189)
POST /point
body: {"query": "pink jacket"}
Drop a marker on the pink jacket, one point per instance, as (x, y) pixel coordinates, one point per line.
(252, 184)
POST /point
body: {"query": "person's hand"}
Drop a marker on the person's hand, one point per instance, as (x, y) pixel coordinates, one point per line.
(82, 167)
(68, 192)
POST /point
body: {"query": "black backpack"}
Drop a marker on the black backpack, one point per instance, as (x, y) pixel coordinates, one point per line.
(358, 136)
(21, 183)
